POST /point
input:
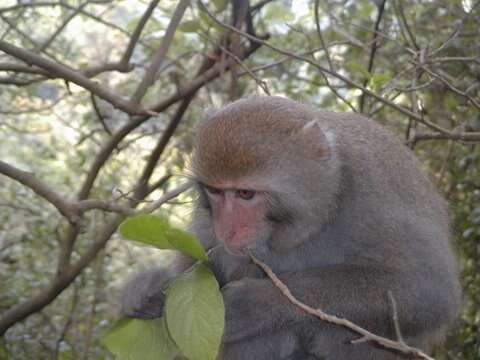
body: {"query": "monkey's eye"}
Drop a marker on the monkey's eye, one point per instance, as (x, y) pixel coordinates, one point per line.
(245, 194)
(212, 190)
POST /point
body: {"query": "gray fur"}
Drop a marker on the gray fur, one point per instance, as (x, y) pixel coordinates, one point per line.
(366, 220)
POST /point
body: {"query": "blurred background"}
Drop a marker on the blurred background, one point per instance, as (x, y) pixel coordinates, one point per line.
(98, 99)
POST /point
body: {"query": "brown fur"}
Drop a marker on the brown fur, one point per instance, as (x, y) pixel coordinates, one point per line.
(239, 139)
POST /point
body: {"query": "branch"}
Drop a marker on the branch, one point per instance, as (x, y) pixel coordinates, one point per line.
(89, 72)
(402, 20)
(92, 204)
(67, 274)
(246, 70)
(472, 100)
(73, 8)
(41, 189)
(473, 136)
(74, 210)
(434, 136)
(205, 76)
(320, 36)
(69, 74)
(161, 146)
(366, 335)
(59, 283)
(57, 32)
(99, 114)
(157, 61)
(137, 32)
(373, 50)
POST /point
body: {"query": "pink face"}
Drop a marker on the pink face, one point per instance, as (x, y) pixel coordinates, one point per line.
(238, 214)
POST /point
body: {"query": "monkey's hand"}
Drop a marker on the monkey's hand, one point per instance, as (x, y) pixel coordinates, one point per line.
(248, 308)
(143, 296)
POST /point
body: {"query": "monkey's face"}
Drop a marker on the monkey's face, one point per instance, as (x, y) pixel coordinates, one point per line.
(266, 172)
(239, 215)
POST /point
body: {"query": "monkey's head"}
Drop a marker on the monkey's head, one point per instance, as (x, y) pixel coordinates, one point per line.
(265, 173)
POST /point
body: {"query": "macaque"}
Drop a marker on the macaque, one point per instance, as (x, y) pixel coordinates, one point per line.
(339, 209)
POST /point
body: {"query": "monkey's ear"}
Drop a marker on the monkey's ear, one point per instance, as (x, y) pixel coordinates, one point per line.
(316, 142)
(209, 112)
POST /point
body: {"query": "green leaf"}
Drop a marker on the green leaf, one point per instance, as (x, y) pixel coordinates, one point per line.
(278, 13)
(378, 80)
(3, 349)
(356, 67)
(366, 9)
(195, 313)
(190, 26)
(220, 5)
(132, 339)
(155, 231)
(209, 21)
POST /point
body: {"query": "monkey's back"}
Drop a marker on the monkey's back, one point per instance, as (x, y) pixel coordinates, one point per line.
(382, 161)
(393, 197)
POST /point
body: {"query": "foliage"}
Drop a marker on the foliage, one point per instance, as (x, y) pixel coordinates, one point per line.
(423, 58)
(194, 312)
(132, 339)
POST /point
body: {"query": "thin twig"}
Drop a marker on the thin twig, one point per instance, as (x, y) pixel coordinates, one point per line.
(366, 335)
(395, 319)
(320, 36)
(74, 210)
(261, 83)
(46, 44)
(99, 114)
(137, 32)
(471, 136)
(373, 51)
(157, 61)
(41, 189)
(69, 74)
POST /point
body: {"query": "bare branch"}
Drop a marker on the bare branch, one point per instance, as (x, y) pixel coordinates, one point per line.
(67, 270)
(68, 322)
(203, 78)
(69, 74)
(160, 147)
(464, 94)
(373, 51)
(435, 136)
(74, 210)
(99, 114)
(73, 8)
(57, 32)
(64, 278)
(261, 83)
(66, 274)
(137, 32)
(403, 21)
(473, 136)
(320, 36)
(43, 190)
(396, 323)
(92, 204)
(14, 67)
(157, 61)
(366, 335)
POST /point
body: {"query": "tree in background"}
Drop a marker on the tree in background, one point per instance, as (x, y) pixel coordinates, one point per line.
(98, 98)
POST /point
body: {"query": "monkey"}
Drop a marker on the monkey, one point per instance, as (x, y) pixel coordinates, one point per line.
(339, 209)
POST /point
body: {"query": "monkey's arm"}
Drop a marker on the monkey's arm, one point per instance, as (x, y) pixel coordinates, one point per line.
(143, 295)
(360, 294)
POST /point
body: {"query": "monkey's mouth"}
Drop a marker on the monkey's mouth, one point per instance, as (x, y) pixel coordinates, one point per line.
(238, 251)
